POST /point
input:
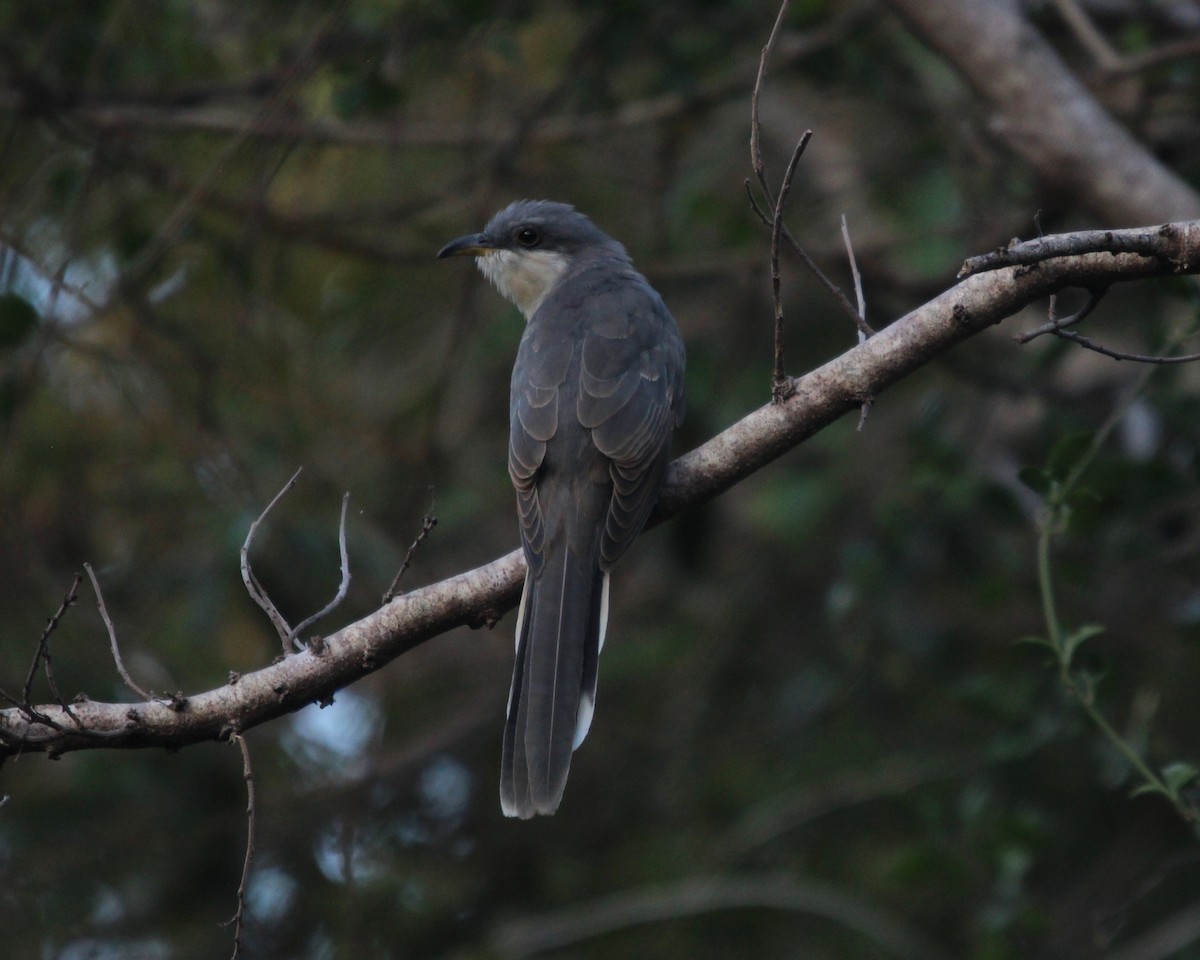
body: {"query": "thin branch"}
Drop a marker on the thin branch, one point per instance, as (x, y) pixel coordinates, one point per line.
(253, 587)
(36, 715)
(1089, 35)
(342, 587)
(834, 290)
(1090, 344)
(775, 221)
(43, 649)
(112, 636)
(1108, 58)
(864, 328)
(756, 157)
(1029, 252)
(780, 388)
(1178, 50)
(239, 917)
(427, 525)
(1057, 324)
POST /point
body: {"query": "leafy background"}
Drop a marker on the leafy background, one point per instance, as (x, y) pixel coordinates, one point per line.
(817, 732)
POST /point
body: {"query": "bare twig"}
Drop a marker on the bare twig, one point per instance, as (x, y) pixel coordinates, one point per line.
(112, 636)
(834, 290)
(1057, 324)
(1090, 344)
(1146, 241)
(780, 385)
(1180, 49)
(238, 919)
(253, 587)
(1057, 327)
(864, 329)
(34, 715)
(427, 525)
(342, 587)
(42, 656)
(1108, 58)
(776, 204)
(756, 157)
(1089, 35)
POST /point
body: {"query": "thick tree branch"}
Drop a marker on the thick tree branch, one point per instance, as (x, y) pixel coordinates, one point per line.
(1046, 115)
(479, 597)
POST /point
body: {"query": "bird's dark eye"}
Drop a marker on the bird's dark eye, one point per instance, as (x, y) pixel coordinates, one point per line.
(527, 237)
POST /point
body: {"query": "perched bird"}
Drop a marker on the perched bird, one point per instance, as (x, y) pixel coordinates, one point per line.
(597, 389)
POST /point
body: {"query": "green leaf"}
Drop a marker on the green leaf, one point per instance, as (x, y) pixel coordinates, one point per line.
(1039, 642)
(1146, 788)
(1073, 640)
(18, 318)
(1178, 775)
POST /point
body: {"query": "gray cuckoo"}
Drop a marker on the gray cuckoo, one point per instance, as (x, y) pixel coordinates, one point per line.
(597, 389)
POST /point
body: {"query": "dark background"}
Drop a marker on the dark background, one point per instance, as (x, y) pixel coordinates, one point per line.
(817, 734)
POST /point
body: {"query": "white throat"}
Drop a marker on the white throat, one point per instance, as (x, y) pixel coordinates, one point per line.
(524, 277)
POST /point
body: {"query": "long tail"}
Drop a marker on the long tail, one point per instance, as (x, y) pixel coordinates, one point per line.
(560, 630)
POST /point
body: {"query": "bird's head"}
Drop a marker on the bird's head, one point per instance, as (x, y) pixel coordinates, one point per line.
(527, 247)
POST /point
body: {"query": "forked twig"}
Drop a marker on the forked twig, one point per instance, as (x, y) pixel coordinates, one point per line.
(809, 264)
(342, 587)
(1057, 324)
(288, 635)
(253, 587)
(112, 636)
(776, 205)
(42, 655)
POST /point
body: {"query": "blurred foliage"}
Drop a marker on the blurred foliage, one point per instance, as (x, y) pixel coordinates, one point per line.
(218, 223)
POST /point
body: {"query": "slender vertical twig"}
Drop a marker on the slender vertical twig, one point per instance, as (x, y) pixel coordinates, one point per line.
(112, 637)
(780, 385)
(864, 328)
(42, 655)
(238, 920)
(427, 525)
(253, 587)
(756, 157)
